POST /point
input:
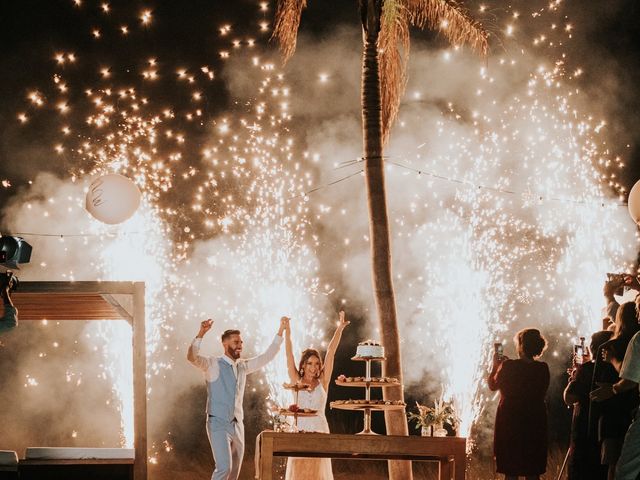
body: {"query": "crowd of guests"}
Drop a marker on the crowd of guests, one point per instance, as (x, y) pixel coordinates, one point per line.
(602, 390)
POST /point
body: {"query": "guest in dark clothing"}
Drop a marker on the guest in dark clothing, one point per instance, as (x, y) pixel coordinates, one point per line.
(614, 415)
(520, 437)
(583, 462)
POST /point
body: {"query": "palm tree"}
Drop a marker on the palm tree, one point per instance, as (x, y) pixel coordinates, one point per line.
(385, 26)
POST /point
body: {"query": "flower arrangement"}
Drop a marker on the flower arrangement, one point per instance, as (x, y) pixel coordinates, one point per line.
(442, 412)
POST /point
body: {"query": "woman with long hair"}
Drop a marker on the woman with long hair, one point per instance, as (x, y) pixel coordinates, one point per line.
(315, 373)
(520, 437)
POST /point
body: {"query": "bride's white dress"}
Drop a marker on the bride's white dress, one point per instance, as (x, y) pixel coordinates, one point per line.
(299, 468)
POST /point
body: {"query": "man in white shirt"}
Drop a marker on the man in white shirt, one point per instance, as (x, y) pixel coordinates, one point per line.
(226, 379)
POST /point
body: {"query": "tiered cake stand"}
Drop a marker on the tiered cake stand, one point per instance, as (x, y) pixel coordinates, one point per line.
(297, 387)
(367, 384)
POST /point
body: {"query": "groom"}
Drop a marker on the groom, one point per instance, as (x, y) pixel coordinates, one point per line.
(226, 377)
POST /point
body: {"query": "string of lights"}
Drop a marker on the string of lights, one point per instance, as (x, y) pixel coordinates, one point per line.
(388, 160)
(123, 234)
(601, 202)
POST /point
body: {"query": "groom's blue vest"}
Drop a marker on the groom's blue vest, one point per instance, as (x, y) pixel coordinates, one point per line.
(225, 393)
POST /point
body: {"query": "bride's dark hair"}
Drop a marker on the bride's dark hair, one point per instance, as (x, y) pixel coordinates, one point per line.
(308, 353)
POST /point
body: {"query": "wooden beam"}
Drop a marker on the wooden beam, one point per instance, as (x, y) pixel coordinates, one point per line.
(78, 287)
(119, 308)
(64, 306)
(139, 383)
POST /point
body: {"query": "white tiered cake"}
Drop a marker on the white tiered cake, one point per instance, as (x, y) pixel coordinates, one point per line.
(370, 349)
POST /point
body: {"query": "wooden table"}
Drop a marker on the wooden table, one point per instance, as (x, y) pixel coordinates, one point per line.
(80, 469)
(449, 452)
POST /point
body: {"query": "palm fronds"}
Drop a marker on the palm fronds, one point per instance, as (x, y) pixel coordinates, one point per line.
(394, 42)
(393, 47)
(287, 22)
(451, 19)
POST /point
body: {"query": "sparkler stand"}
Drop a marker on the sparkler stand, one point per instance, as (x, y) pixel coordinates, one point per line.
(295, 416)
(367, 384)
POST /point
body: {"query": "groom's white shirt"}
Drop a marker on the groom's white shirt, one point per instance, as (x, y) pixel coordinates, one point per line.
(209, 365)
(225, 389)
(233, 363)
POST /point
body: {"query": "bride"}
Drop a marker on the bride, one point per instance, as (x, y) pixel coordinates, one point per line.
(312, 372)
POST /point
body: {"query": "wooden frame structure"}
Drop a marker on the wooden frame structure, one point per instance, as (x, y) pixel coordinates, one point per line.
(55, 301)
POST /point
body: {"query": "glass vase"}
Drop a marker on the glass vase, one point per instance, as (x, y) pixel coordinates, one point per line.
(439, 430)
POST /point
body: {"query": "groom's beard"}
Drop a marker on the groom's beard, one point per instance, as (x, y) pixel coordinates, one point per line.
(235, 354)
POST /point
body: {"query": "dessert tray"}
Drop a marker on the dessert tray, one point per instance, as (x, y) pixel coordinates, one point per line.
(367, 405)
(302, 412)
(359, 358)
(293, 410)
(364, 381)
(296, 387)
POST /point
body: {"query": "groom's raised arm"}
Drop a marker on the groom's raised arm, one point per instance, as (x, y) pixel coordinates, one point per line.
(256, 363)
(193, 354)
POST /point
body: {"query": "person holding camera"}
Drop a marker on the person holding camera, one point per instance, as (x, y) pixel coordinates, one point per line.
(226, 378)
(9, 319)
(520, 436)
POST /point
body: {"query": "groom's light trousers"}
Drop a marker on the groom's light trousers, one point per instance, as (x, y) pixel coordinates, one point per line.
(227, 445)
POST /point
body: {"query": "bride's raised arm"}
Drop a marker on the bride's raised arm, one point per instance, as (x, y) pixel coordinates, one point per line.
(331, 351)
(291, 363)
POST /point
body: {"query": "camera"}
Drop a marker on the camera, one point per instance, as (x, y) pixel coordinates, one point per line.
(13, 251)
(619, 278)
(614, 277)
(9, 279)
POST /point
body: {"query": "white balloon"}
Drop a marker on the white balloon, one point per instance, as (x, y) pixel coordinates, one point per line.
(634, 202)
(112, 198)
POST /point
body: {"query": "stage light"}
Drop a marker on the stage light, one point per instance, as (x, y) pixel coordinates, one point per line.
(13, 251)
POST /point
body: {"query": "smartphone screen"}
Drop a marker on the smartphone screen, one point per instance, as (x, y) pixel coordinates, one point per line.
(499, 349)
(578, 352)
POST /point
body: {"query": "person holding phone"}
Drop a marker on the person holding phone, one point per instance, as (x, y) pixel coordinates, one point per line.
(520, 436)
(583, 461)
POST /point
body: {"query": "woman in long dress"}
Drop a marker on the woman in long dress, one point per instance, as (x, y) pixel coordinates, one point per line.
(311, 371)
(520, 437)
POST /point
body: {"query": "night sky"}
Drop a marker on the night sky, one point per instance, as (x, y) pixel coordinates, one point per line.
(605, 45)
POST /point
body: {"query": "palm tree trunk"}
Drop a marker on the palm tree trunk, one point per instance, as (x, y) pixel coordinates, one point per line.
(396, 421)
